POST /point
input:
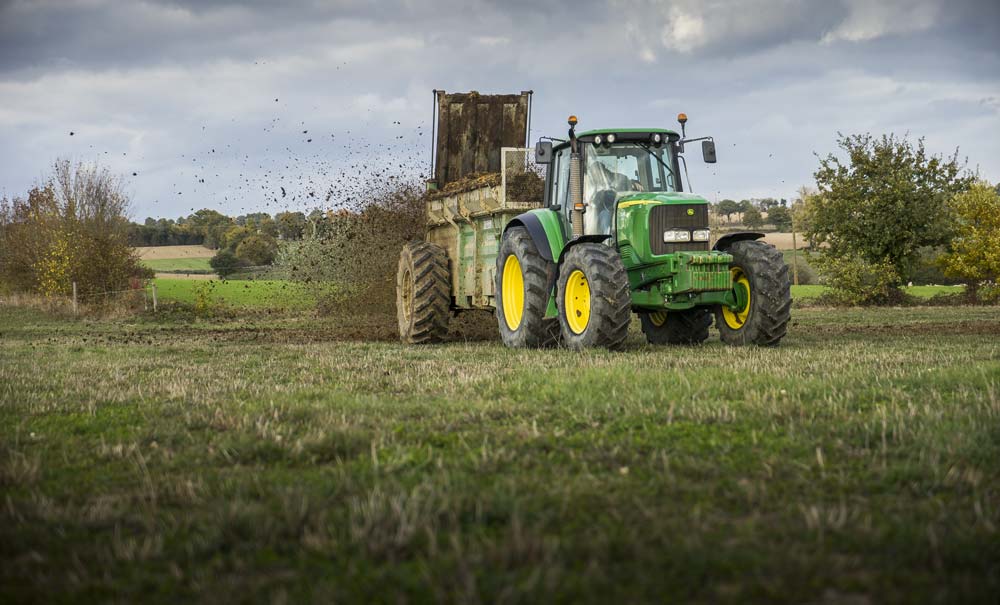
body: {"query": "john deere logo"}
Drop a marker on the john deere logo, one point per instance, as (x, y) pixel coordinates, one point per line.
(690, 211)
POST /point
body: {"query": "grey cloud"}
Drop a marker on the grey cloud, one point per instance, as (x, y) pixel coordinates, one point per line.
(153, 87)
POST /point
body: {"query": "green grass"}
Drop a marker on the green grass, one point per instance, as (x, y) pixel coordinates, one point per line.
(275, 294)
(266, 460)
(178, 264)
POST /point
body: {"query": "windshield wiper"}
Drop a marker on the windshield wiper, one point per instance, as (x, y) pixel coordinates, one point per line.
(646, 148)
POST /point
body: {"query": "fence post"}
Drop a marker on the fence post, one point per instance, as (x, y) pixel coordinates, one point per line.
(154, 297)
(75, 308)
(795, 255)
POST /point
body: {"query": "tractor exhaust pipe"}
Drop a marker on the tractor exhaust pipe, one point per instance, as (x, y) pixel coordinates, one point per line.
(575, 180)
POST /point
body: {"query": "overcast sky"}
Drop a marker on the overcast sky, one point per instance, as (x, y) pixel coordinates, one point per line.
(244, 106)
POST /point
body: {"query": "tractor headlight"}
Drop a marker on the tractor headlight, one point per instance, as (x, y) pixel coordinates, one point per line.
(676, 235)
(657, 138)
(598, 140)
(700, 235)
(611, 139)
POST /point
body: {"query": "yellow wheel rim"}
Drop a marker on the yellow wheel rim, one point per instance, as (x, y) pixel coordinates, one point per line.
(512, 293)
(736, 319)
(577, 302)
(658, 318)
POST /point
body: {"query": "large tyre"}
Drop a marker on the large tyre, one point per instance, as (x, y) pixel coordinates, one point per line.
(595, 306)
(760, 273)
(423, 293)
(523, 284)
(686, 327)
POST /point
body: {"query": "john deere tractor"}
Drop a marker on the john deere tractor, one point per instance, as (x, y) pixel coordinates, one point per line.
(613, 234)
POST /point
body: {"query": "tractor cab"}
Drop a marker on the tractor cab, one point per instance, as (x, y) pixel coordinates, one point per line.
(616, 164)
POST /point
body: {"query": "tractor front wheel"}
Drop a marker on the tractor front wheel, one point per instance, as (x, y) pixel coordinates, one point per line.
(423, 293)
(688, 327)
(595, 306)
(762, 297)
(523, 285)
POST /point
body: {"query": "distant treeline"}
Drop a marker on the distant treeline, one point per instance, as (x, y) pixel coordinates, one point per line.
(218, 231)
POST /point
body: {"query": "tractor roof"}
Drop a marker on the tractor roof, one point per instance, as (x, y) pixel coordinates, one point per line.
(591, 133)
(625, 135)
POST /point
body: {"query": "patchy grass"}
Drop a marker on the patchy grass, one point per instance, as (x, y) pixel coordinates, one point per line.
(262, 461)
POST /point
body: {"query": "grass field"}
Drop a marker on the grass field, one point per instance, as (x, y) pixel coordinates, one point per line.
(266, 460)
(291, 295)
(272, 294)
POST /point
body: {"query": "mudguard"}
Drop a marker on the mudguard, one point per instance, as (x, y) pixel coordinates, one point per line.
(596, 239)
(731, 238)
(545, 230)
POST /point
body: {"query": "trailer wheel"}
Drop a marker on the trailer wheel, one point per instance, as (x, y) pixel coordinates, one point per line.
(686, 327)
(423, 293)
(523, 284)
(763, 292)
(595, 306)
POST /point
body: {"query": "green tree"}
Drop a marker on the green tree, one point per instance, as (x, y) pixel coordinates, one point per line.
(212, 225)
(225, 263)
(235, 235)
(974, 253)
(727, 208)
(766, 204)
(73, 228)
(780, 217)
(257, 250)
(291, 225)
(881, 204)
(752, 218)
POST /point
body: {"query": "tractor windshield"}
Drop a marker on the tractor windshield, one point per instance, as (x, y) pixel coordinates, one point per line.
(613, 171)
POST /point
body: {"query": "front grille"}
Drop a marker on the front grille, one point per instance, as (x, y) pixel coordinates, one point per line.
(675, 216)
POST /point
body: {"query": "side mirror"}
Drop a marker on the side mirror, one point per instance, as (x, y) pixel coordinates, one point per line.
(708, 151)
(543, 152)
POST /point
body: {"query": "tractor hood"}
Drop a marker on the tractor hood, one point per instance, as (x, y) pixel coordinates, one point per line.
(669, 197)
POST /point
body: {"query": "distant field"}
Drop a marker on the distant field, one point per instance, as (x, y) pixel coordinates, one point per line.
(783, 241)
(172, 252)
(178, 264)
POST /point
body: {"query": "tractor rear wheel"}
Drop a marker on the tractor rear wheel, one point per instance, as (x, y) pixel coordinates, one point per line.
(687, 327)
(423, 293)
(763, 293)
(523, 284)
(595, 306)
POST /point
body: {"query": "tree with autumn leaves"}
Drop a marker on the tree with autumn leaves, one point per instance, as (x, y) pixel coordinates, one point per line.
(71, 228)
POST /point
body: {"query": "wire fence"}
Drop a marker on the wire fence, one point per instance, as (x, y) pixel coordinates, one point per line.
(139, 290)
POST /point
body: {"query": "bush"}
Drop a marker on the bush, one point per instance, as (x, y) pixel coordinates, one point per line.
(807, 273)
(752, 218)
(225, 263)
(257, 250)
(855, 281)
(780, 217)
(927, 269)
(73, 228)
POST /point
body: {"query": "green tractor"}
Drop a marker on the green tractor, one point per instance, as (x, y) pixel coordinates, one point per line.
(614, 234)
